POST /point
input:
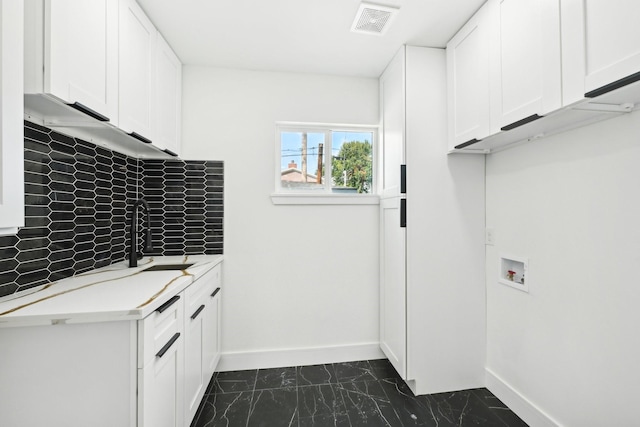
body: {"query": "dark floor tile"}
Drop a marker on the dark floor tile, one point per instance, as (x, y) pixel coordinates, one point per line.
(411, 410)
(353, 371)
(320, 400)
(276, 378)
(496, 406)
(367, 404)
(274, 407)
(234, 381)
(224, 409)
(461, 408)
(316, 374)
(337, 420)
(382, 369)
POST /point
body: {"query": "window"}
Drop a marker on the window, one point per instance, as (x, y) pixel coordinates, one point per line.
(325, 160)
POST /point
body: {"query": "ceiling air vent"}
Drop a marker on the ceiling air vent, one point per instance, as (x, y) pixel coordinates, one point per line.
(373, 19)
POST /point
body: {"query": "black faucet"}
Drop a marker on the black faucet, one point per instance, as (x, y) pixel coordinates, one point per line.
(148, 246)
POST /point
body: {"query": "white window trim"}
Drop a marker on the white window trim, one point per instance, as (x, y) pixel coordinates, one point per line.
(283, 196)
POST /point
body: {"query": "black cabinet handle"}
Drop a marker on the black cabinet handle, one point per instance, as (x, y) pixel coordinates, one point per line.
(613, 86)
(215, 292)
(171, 153)
(521, 122)
(140, 137)
(168, 304)
(403, 179)
(168, 345)
(88, 111)
(403, 213)
(466, 144)
(197, 312)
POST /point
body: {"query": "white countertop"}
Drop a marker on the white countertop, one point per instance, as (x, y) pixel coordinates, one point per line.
(111, 293)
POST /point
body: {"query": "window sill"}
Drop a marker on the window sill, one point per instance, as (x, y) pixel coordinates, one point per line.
(323, 199)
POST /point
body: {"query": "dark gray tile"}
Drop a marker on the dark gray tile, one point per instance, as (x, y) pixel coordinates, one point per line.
(320, 400)
(234, 381)
(316, 374)
(461, 408)
(411, 410)
(382, 369)
(274, 407)
(224, 409)
(337, 420)
(367, 404)
(496, 406)
(276, 378)
(354, 371)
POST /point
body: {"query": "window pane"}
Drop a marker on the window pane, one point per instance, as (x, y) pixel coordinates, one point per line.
(352, 162)
(302, 160)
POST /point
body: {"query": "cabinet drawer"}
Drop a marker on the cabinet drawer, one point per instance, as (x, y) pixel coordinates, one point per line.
(157, 330)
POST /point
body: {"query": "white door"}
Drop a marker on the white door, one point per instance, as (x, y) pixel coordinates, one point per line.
(160, 394)
(612, 46)
(528, 56)
(136, 70)
(194, 382)
(168, 97)
(468, 81)
(393, 314)
(393, 319)
(211, 338)
(81, 53)
(11, 119)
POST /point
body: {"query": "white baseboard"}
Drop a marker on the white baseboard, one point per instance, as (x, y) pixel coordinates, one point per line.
(518, 403)
(238, 361)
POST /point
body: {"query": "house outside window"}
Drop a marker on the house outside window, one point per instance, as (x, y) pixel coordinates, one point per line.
(325, 159)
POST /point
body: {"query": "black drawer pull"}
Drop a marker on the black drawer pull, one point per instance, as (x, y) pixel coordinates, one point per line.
(521, 122)
(171, 153)
(403, 179)
(403, 213)
(168, 345)
(613, 86)
(140, 137)
(168, 304)
(88, 111)
(215, 292)
(468, 143)
(197, 312)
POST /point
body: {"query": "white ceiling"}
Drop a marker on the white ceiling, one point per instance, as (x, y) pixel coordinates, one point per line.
(309, 36)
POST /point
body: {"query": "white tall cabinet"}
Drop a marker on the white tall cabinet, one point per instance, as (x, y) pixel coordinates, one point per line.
(71, 52)
(11, 125)
(168, 90)
(432, 300)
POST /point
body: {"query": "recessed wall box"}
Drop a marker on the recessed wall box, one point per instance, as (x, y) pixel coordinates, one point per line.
(513, 272)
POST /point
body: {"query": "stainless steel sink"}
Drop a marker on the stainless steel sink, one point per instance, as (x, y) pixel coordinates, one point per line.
(168, 267)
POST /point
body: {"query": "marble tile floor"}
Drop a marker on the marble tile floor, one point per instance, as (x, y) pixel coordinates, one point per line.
(365, 393)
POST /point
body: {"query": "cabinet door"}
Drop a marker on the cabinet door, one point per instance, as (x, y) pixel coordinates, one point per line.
(11, 118)
(612, 47)
(196, 305)
(81, 53)
(168, 97)
(212, 333)
(136, 70)
(392, 108)
(468, 81)
(528, 54)
(160, 394)
(393, 315)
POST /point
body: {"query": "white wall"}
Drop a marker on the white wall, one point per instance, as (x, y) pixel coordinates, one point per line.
(571, 346)
(295, 277)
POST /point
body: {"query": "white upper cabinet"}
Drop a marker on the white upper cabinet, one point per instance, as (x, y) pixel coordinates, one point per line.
(136, 70)
(168, 97)
(71, 52)
(600, 45)
(468, 81)
(11, 119)
(527, 58)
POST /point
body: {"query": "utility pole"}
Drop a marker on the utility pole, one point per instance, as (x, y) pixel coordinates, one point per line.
(319, 173)
(304, 157)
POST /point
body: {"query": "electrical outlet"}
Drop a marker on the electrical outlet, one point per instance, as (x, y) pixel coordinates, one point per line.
(490, 236)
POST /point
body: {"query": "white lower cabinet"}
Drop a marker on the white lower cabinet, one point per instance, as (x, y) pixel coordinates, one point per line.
(139, 373)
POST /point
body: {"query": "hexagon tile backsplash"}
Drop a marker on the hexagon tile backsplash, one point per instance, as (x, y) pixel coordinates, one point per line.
(77, 209)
